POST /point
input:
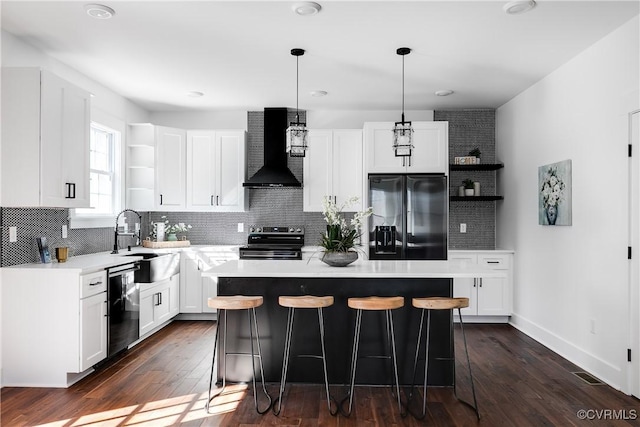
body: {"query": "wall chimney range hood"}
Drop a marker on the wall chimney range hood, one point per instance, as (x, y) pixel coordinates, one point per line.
(274, 173)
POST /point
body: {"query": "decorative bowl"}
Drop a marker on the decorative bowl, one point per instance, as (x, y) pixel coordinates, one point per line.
(339, 259)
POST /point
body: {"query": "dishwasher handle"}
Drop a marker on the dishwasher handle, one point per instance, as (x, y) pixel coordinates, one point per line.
(127, 269)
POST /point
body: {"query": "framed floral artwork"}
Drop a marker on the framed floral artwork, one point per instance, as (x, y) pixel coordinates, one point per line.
(554, 193)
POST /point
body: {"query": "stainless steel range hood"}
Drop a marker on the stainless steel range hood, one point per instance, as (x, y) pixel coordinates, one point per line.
(275, 172)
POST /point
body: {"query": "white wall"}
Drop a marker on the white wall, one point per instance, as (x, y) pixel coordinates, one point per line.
(17, 53)
(316, 119)
(568, 277)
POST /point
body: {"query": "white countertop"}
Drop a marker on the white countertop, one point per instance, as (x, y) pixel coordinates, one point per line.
(361, 268)
(102, 260)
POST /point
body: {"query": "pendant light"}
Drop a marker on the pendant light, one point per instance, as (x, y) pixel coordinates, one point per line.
(297, 131)
(403, 132)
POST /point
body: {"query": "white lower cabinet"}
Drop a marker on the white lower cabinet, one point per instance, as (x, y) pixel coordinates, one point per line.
(59, 326)
(194, 289)
(490, 298)
(93, 330)
(190, 282)
(159, 302)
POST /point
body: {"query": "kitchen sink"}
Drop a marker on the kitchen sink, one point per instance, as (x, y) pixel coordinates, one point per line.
(156, 267)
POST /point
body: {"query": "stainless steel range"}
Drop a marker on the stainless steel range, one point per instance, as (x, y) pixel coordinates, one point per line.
(273, 243)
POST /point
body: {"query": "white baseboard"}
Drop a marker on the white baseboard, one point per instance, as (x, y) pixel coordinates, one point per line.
(197, 316)
(481, 319)
(599, 368)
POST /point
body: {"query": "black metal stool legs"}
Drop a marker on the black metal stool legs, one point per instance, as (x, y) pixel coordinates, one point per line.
(324, 363)
(286, 358)
(423, 413)
(473, 389)
(354, 358)
(223, 314)
(264, 388)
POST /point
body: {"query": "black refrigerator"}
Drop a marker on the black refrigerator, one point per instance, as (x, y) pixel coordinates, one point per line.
(410, 216)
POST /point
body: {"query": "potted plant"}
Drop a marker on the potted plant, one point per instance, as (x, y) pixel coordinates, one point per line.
(170, 231)
(468, 187)
(475, 153)
(339, 241)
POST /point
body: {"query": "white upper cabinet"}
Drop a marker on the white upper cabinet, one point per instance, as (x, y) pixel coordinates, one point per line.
(216, 169)
(333, 167)
(45, 140)
(171, 151)
(429, 155)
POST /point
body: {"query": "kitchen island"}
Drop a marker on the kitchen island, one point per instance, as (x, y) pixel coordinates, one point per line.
(272, 278)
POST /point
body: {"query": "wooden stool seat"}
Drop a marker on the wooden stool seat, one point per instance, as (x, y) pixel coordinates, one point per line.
(305, 301)
(376, 303)
(235, 302)
(440, 303)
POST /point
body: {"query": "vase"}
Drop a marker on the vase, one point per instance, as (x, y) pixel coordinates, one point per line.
(552, 214)
(468, 191)
(171, 237)
(339, 259)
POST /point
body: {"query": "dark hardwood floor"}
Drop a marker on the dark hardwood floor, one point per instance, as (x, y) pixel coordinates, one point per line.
(164, 380)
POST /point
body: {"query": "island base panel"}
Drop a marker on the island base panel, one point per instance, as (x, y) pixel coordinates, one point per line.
(339, 330)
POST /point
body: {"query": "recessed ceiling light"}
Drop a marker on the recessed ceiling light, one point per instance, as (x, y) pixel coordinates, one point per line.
(195, 94)
(444, 92)
(319, 93)
(306, 8)
(519, 6)
(99, 11)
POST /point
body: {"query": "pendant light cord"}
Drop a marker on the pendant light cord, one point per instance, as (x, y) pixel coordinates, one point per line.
(297, 85)
(402, 88)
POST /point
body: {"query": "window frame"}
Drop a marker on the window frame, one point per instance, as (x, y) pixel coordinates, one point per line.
(85, 220)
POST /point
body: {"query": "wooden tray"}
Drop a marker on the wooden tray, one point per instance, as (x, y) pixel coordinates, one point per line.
(168, 244)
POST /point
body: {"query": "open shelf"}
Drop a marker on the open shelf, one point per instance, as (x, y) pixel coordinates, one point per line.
(479, 167)
(475, 198)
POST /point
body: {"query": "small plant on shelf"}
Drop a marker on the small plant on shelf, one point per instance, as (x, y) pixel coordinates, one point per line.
(475, 152)
(468, 184)
(468, 187)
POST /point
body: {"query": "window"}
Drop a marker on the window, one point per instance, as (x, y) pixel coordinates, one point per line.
(105, 188)
(102, 170)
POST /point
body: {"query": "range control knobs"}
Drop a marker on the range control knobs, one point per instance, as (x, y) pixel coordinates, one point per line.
(291, 230)
(299, 230)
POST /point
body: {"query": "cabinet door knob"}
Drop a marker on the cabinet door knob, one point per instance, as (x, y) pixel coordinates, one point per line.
(160, 198)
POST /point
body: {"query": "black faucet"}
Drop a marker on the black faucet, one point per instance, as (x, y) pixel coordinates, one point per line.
(115, 242)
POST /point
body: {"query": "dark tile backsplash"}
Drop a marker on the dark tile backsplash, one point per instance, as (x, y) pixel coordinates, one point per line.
(468, 129)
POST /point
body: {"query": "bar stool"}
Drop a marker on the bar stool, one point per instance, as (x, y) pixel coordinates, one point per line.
(428, 305)
(237, 302)
(373, 303)
(303, 302)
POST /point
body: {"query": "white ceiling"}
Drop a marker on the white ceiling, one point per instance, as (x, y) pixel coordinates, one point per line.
(238, 52)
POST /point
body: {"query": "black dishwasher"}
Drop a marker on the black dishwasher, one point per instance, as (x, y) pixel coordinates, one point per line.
(124, 307)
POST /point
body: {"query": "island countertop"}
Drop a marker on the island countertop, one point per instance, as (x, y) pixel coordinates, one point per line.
(361, 268)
